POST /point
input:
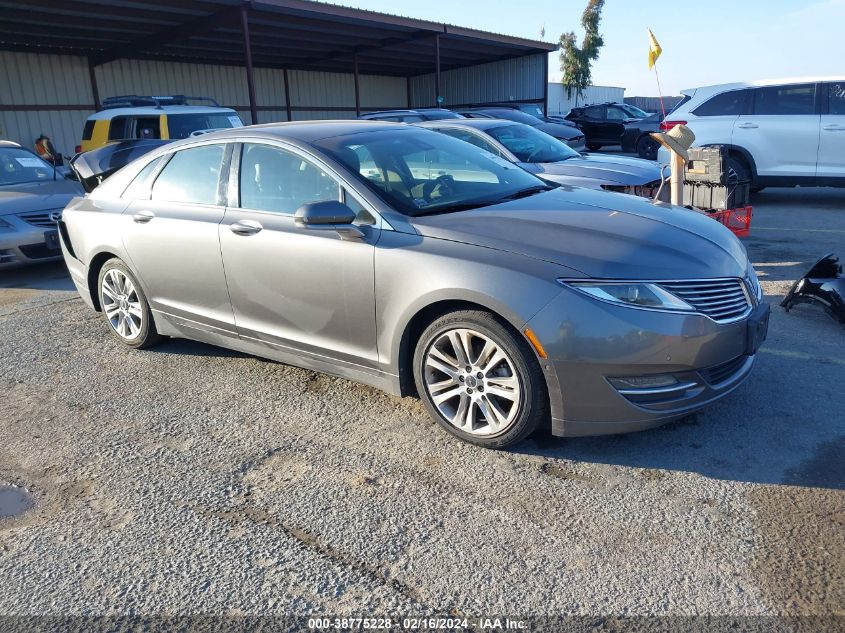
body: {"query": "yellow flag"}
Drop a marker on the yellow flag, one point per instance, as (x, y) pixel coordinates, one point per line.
(654, 49)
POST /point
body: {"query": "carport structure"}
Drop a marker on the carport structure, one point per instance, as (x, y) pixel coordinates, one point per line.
(274, 34)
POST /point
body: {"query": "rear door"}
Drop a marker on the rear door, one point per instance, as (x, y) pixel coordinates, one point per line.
(782, 132)
(831, 163)
(171, 236)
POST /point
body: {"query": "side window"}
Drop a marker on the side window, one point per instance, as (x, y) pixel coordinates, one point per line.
(139, 188)
(836, 98)
(88, 130)
(789, 100)
(616, 114)
(117, 128)
(273, 179)
(731, 103)
(594, 112)
(410, 118)
(469, 137)
(362, 216)
(147, 127)
(192, 175)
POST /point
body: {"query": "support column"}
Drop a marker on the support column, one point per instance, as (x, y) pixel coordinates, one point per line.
(546, 85)
(95, 92)
(250, 79)
(357, 88)
(287, 95)
(408, 91)
(437, 84)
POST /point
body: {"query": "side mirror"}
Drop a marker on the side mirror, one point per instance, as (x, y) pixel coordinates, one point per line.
(323, 213)
(329, 214)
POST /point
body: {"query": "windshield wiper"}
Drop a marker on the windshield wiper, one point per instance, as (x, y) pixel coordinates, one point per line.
(528, 191)
(463, 206)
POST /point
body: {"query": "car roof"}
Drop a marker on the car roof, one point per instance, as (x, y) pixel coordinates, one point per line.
(476, 124)
(9, 144)
(110, 113)
(763, 82)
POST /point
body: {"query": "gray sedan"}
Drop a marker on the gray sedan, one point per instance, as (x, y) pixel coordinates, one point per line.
(420, 264)
(553, 160)
(32, 196)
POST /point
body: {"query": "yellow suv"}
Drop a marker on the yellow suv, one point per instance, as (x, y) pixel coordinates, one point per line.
(174, 117)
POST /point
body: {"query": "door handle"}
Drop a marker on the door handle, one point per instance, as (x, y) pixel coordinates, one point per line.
(142, 217)
(834, 128)
(245, 227)
(748, 126)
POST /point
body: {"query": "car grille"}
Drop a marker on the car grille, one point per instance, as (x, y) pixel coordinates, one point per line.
(723, 300)
(720, 373)
(40, 218)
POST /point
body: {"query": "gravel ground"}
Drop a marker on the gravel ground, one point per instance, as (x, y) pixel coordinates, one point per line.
(188, 479)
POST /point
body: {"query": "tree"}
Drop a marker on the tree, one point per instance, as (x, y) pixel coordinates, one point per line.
(574, 60)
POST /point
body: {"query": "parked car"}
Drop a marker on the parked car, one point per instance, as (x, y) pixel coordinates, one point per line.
(411, 116)
(138, 117)
(568, 133)
(780, 133)
(418, 263)
(32, 196)
(637, 136)
(604, 123)
(551, 159)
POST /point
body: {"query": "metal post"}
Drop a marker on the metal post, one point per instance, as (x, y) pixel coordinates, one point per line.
(287, 95)
(437, 84)
(546, 85)
(250, 80)
(408, 90)
(357, 88)
(95, 92)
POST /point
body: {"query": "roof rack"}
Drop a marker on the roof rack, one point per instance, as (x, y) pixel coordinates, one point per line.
(135, 101)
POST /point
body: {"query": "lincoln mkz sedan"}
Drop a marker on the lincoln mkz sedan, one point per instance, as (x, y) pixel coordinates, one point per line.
(421, 264)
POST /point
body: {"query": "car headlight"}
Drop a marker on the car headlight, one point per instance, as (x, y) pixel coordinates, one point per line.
(5, 226)
(634, 295)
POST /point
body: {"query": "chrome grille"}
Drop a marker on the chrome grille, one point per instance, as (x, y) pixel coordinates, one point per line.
(40, 218)
(722, 300)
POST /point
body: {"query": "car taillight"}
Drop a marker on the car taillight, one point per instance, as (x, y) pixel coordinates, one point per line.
(78, 149)
(668, 125)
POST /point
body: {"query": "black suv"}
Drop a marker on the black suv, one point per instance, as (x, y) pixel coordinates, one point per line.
(604, 123)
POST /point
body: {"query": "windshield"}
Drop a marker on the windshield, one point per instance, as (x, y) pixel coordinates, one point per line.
(18, 166)
(419, 172)
(514, 115)
(533, 109)
(530, 145)
(634, 111)
(183, 125)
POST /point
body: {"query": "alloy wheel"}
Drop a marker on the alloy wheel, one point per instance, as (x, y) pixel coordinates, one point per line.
(472, 381)
(121, 304)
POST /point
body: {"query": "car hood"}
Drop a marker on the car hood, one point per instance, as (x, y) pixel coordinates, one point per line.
(602, 235)
(558, 130)
(38, 196)
(611, 169)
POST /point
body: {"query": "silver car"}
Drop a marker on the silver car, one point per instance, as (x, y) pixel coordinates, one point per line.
(32, 196)
(420, 264)
(552, 159)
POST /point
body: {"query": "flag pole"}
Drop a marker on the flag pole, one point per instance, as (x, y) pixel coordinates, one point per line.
(659, 91)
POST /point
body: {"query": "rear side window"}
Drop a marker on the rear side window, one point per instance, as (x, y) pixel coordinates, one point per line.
(594, 112)
(789, 100)
(836, 98)
(139, 188)
(117, 128)
(731, 103)
(192, 175)
(88, 131)
(616, 114)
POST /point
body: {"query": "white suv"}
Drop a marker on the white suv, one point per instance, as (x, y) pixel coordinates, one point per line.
(780, 133)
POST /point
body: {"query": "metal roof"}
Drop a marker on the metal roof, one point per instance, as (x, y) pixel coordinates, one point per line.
(294, 34)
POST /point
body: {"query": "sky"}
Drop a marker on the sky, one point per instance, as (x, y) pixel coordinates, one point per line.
(704, 42)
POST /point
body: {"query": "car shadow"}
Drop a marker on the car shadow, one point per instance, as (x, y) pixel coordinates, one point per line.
(187, 347)
(47, 276)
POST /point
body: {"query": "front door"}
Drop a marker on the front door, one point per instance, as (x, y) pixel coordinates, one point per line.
(291, 286)
(831, 162)
(172, 240)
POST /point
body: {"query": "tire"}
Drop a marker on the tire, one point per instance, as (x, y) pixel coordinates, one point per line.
(593, 147)
(647, 147)
(520, 402)
(757, 189)
(738, 170)
(125, 306)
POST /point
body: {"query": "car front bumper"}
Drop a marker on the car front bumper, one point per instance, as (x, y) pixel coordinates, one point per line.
(589, 342)
(24, 244)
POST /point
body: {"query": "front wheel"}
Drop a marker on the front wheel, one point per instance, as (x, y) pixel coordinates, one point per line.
(125, 306)
(479, 380)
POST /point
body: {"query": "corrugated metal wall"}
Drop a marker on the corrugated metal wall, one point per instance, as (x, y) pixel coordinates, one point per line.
(36, 82)
(559, 103)
(518, 79)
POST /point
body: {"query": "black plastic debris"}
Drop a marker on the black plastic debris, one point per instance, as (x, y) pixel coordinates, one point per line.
(822, 285)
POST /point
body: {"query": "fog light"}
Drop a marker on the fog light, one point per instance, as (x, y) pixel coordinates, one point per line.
(643, 382)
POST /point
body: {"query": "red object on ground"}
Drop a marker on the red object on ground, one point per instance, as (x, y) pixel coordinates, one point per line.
(737, 220)
(668, 125)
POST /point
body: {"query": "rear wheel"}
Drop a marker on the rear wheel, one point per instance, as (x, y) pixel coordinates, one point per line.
(647, 147)
(738, 170)
(479, 380)
(593, 147)
(125, 306)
